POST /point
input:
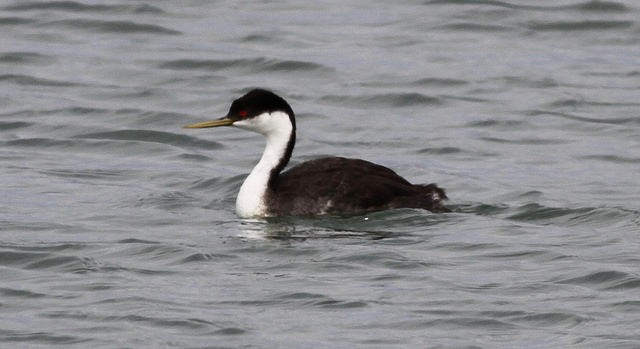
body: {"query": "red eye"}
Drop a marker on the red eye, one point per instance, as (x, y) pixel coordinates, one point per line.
(243, 114)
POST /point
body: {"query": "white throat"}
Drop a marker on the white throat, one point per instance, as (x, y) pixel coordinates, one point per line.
(277, 128)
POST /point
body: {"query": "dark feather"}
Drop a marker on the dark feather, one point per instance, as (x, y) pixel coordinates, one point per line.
(336, 185)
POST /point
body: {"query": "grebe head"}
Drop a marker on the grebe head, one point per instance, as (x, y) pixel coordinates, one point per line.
(264, 112)
(260, 111)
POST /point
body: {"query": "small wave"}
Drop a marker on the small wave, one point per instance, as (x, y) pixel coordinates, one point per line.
(137, 241)
(195, 325)
(13, 258)
(11, 125)
(169, 201)
(594, 217)
(465, 99)
(200, 257)
(72, 264)
(456, 153)
(479, 208)
(613, 121)
(525, 141)
(72, 6)
(536, 212)
(76, 110)
(19, 79)
(14, 20)
(598, 6)
(252, 64)
(613, 158)
(391, 100)
(480, 3)
(439, 82)
(440, 151)
(588, 6)
(605, 280)
(476, 27)
(525, 81)
(166, 254)
(582, 102)
(46, 260)
(203, 184)
(15, 293)
(492, 123)
(194, 157)
(41, 142)
(148, 117)
(25, 58)
(456, 323)
(126, 27)
(540, 214)
(614, 74)
(153, 251)
(39, 337)
(260, 38)
(112, 139)
(550, 319)
(579, 25)
(319, 300)
(89, 173)
(425, 82)
(153, 137)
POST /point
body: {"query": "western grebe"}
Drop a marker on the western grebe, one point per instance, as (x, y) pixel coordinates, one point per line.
(330, 185)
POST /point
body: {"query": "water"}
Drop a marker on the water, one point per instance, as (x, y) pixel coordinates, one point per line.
(117, 226)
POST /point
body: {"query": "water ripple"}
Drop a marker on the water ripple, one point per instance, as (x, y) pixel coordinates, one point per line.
(41, 143)
(318, 300)
(599, 6)
(527, 141)
(73, 6)
(613, 158)
(407, 99)
(439, 82)
(604, 120)
(606, 280)
(105, 26)
(550, 319)
(477, 27)
(153, 137)
(40, 337)
(20, 79)
(46, 261)
(11, 125)
(87, 174)
(586, 6)
(251, 64)
(579, 25)
(20, 58)
(15, 21)
(10, 292)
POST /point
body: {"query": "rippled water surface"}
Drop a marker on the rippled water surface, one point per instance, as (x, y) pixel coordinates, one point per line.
(117, 226)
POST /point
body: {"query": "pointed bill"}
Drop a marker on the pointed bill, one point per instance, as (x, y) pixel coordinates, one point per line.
(215, 123)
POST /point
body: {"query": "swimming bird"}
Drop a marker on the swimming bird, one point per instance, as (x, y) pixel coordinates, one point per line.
(328, 185)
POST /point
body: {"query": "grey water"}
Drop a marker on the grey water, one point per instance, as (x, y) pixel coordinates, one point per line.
(117, 226)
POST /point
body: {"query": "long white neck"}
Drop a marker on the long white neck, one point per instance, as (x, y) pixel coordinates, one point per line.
(277, 128)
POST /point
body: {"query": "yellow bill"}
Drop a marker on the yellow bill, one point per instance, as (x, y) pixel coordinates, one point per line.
(215, 123)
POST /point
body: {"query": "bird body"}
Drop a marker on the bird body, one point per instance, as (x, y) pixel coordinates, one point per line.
(329, 185)
(337, 185)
